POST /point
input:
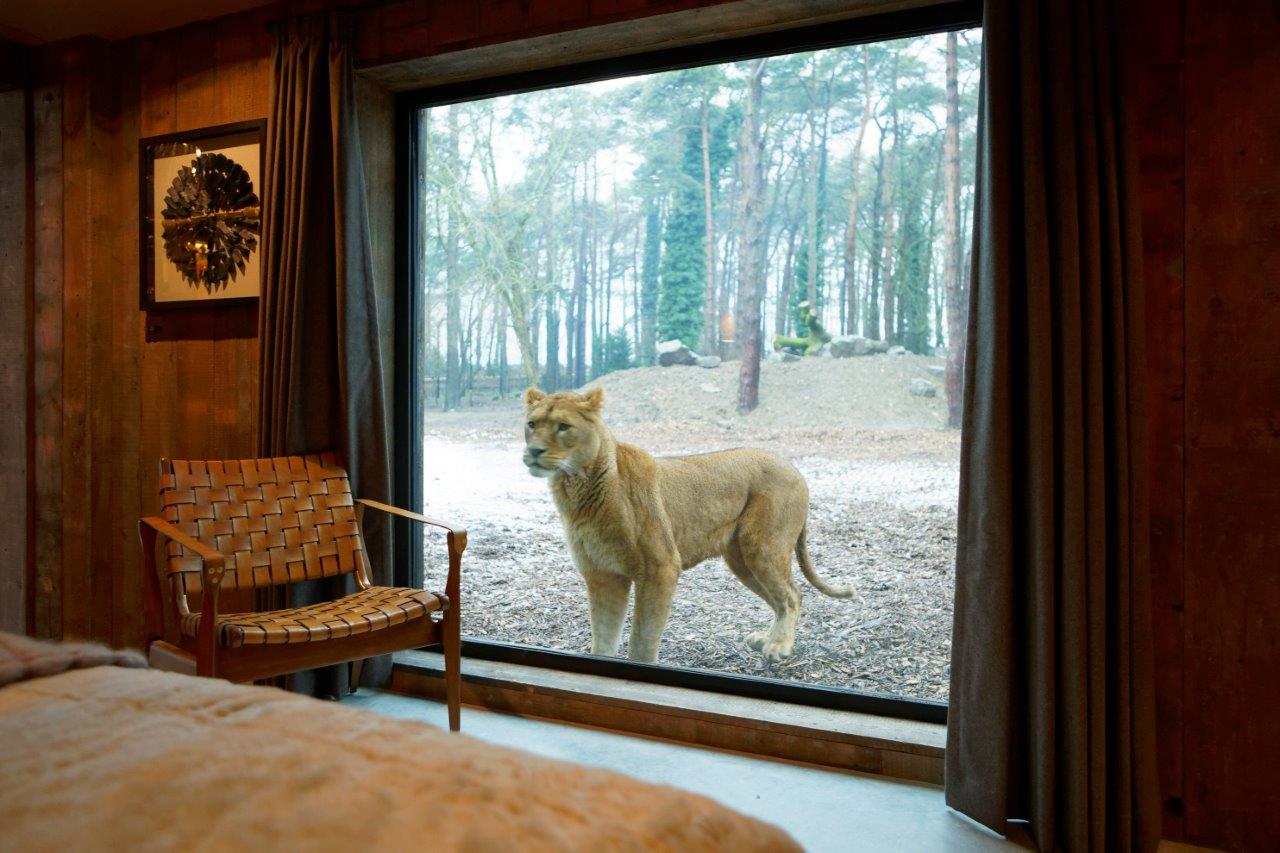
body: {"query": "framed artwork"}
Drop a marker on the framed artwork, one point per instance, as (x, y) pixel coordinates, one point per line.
(202, 217)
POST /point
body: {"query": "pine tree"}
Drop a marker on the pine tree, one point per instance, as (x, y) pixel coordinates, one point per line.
(911, 271)
(649, 278)
(683, 268)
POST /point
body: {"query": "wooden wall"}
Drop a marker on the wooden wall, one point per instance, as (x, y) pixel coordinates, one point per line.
(1211, 222)
(110, 390)
(15, 350)
(115, 388)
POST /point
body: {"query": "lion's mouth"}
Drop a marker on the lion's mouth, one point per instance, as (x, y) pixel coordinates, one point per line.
(538, 469)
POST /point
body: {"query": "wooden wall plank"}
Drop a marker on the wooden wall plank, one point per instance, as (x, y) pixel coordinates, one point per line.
(1232, 538)
(122, 452)
(1160, 99)
(106, 438)
(77, 259)
(46, 386)
(15, 357)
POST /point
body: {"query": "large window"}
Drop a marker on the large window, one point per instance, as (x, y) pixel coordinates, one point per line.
(808, 213)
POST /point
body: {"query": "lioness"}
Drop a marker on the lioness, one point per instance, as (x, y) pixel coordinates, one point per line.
(631, 518)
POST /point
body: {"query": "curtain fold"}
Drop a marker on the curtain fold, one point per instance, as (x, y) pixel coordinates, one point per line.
(1051, 712)
(320, 372)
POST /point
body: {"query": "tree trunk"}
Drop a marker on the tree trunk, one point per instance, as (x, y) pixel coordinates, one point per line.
(750, 259)
(580, 300)
(710, 328)
(956, 309)
(453, 287)
(871, 307)
(851, 228)
(887, 288)
(649, 279)
(781, 312)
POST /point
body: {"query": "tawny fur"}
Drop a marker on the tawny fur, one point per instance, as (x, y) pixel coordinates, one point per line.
(632, 519)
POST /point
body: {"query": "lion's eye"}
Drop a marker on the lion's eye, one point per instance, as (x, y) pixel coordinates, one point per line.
(530, 425)
(562, 427)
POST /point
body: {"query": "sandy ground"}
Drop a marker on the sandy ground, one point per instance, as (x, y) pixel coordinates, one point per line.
(882, 516)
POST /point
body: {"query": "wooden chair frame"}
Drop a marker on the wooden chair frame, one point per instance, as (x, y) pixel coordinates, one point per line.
(168, 649)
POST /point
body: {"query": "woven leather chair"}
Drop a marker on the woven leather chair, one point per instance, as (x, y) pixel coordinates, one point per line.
(257, 523)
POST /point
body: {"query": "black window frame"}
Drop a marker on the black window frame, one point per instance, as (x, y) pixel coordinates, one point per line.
(408, 413)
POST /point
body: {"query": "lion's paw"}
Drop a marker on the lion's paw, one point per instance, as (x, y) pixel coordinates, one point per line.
(772, 650)
(776, 651)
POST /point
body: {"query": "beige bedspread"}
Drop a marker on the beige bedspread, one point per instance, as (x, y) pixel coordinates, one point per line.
(130, 759)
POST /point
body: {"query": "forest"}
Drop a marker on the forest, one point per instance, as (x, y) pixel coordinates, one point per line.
(564, 233)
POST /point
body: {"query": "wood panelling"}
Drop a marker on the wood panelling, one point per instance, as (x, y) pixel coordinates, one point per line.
(1232, 537)
(115, 388)
(1211, 222)
(15, 356)
(1160, 105)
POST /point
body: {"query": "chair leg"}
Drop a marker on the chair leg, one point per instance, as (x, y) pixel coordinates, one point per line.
(453, 665)
(353, 680)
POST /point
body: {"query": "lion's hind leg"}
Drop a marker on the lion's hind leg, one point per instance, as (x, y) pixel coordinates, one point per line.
(766, 571)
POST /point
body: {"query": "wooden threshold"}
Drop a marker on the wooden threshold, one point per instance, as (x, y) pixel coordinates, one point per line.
(902, 749)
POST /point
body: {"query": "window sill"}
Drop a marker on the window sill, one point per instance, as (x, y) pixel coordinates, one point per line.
(846, 740)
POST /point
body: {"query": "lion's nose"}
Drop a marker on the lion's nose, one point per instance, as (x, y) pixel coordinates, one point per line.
(535, 452)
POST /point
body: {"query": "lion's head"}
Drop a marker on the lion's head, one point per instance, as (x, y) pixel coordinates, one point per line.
(561, 431)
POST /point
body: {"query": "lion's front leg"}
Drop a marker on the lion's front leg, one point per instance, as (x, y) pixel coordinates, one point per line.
(607, 594)
(654, 595)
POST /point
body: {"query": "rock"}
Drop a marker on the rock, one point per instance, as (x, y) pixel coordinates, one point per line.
(723, 424)
(923, 388)
(937, 370)
(708, 361)
(788, 357)
(824, 351)
(675, 352)
(897, 350)
(709, 388)
(847, 346)
(782, 357)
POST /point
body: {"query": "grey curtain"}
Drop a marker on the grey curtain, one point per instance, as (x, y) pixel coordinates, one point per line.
(321, 367)
(1051, 717)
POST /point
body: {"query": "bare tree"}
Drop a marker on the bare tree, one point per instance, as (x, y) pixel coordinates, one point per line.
(887, 288)
(751, 235)
(710, 327)
(851, 227)
(453, 281)
(956, 310)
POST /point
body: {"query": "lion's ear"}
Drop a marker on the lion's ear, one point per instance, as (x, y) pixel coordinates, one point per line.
(593, 399)
(533, 395)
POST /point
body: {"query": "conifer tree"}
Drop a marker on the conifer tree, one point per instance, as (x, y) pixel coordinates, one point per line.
(683, 268)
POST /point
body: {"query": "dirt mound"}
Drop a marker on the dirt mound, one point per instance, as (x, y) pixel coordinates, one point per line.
(870, 391)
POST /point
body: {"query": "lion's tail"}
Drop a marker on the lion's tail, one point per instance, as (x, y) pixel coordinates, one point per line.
(806, 566)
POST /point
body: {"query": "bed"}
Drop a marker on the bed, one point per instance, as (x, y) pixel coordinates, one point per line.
(101, 753)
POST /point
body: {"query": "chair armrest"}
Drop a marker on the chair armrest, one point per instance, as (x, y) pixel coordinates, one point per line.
(212, 568)
(457, 537)
(209, 556)
(415, 516)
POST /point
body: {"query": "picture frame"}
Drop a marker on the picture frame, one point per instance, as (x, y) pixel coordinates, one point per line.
(200, 211)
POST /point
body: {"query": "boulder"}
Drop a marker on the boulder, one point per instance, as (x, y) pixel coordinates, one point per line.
(897, 350)
(675, 352)
(847, 346)
(708, 361)
(923, 388)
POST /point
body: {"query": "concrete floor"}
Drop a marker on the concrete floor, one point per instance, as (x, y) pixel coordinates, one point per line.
(822, 809)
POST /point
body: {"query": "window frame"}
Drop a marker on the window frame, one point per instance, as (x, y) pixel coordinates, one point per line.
(408, 410)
